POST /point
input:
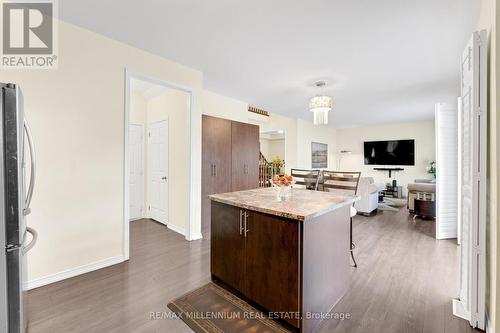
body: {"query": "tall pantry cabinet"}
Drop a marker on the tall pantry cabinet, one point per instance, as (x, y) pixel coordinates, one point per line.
(230, 160)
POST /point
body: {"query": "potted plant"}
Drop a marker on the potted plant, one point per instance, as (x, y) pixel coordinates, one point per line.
(277, 164)
(432, 168)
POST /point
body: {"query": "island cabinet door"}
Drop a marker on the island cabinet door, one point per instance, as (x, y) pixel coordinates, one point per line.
(227, 245)
(272, 263)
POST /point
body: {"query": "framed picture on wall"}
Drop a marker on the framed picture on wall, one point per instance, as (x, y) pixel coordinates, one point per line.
(319, 155)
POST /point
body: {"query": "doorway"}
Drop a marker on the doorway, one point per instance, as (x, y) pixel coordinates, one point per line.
(149, 151)
(272, 155)
(157, 143)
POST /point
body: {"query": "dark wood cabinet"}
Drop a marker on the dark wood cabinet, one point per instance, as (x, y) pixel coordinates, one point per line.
(244, 156)
(216, 162)
(258, 255)
(230, 160)
(289, 265)
(272, 255)
(227, 245)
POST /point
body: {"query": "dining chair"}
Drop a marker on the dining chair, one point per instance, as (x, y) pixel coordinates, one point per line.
(308, 179)
(345, 182)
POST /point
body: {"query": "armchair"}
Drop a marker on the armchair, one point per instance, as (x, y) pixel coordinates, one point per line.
(368, 191)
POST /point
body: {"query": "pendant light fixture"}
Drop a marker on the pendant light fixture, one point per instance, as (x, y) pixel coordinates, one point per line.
(320, 105)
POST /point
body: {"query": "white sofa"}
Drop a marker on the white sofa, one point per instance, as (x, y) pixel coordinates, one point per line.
(368, 191)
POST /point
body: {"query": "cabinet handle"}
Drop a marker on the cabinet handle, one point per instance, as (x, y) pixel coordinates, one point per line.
(215, 170)
(211, 170)
(246, 217)
(241, 222)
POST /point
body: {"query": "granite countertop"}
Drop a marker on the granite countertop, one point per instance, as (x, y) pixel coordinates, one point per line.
(300, 205)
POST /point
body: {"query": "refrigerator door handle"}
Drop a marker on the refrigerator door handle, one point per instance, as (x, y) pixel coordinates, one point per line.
(31, 186)
(34, 238)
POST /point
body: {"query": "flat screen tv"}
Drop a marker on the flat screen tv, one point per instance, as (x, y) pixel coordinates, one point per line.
(395, 152)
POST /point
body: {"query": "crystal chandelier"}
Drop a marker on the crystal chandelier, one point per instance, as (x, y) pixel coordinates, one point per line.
(320, 105)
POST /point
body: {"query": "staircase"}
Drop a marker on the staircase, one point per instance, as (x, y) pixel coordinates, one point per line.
(266, 171)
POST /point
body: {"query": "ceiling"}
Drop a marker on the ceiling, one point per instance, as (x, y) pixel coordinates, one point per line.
(385, 61)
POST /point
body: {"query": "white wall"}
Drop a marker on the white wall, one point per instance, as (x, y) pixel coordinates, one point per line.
(277, 149)
(307, 133)
(277, 122)
(138, 108)
(271, 148)
(224, 107)
(77, 118)
(423, 132)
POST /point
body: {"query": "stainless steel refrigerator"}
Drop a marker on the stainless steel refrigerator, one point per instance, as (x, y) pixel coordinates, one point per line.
(16, 189)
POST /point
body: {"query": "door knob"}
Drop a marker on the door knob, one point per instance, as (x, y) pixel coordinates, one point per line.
(164, 178)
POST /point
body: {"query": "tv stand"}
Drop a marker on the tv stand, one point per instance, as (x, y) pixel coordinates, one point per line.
(391, 170)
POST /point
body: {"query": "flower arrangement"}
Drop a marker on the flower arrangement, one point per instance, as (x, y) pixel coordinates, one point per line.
(277, 164)
(282, 183)
(283, 180)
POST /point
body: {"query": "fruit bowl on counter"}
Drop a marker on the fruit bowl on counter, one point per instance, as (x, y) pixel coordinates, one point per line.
(282, 184)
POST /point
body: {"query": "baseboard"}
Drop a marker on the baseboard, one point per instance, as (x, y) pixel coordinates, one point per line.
(43, 281)
(196, 236)
(460, 310)
(182, 231)
(177, 229)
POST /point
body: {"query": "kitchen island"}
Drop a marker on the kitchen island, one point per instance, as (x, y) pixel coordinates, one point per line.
(289, 257)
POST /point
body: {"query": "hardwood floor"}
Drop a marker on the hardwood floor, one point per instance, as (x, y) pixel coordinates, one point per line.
(405, 279)
(404, 282)
(162, 266)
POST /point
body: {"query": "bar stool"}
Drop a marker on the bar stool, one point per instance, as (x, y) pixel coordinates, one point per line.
(345, 182)
(307, 179)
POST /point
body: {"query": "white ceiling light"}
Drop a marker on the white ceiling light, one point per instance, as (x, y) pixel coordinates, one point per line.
(320, 105)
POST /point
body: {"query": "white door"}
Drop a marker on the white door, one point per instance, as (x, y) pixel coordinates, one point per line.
(136, 160)
(158, 171)
(472, 181)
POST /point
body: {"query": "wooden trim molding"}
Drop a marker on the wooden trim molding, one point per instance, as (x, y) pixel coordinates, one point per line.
(258, 111)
